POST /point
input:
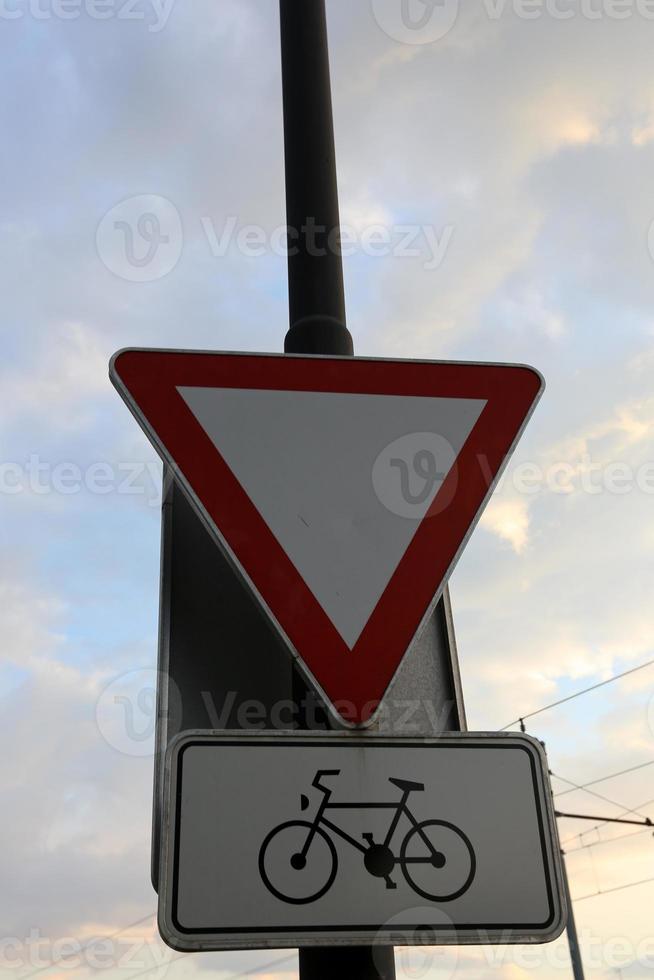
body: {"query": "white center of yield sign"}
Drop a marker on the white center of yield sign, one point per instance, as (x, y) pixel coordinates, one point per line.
(341, 480)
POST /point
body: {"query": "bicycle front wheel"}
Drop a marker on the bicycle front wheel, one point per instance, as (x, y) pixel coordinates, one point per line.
(290, 876)
(438, 860)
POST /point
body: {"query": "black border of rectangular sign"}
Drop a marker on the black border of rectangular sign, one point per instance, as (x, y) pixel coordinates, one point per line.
(377, 742)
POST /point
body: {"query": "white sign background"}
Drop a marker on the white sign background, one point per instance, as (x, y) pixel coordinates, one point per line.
(226, 793)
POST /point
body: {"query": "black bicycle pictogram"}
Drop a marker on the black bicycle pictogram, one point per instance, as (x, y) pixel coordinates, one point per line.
(298, 861)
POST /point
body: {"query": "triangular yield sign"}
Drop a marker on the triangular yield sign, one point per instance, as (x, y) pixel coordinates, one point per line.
(344, 489)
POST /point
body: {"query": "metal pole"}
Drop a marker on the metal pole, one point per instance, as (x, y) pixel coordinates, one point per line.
(315, 266)
(316, 298)
(352, 963)
(573, 941)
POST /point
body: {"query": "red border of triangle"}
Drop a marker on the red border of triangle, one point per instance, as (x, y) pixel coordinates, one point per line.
(355, 681)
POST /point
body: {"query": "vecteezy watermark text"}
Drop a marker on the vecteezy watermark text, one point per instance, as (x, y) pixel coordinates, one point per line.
(405, 476)
(42, 478)
(141, 239)
(129, 951)
(126, 713)
(419, 472)
(153, 13)
(400, 241)
(427, 21)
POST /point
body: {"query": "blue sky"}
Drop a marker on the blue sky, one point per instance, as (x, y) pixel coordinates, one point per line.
(524, 143)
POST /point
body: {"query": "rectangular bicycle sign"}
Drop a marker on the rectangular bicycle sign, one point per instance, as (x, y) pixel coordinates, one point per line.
(278, 840)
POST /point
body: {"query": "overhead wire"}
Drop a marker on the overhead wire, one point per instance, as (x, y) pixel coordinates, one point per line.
(606, 840)
(592, 792)
(604, 779)
(598, 826)
(571, 697)
(618, 888)
(90, 944)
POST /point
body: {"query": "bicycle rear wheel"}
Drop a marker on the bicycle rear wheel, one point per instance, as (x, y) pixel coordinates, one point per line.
(288, 876)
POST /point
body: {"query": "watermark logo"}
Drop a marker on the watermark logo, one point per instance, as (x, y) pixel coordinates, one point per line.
(415, 936)
(141, 239)
(409, 473)
(126, 712)
(416, 21)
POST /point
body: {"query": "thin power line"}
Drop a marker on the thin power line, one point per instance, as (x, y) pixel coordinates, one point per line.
(571, 697)
(603, 779)
(235, 976)
(90, 944)
(591, 792)
(265, 966)
(158, 966)
(598, 826)
(618, 888)
(607, 840)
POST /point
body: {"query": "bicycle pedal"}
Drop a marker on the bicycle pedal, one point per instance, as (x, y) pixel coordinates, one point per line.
(390, 885)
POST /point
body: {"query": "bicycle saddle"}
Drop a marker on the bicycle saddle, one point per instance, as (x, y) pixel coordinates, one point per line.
(406, 786)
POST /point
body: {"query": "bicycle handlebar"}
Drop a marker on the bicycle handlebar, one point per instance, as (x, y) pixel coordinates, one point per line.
(320, 774)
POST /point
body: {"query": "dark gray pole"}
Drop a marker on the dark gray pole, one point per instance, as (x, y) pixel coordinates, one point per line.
(315, 267)
(316, 297)
(573, 941)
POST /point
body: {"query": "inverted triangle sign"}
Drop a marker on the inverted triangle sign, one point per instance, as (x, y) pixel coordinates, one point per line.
(343, 489)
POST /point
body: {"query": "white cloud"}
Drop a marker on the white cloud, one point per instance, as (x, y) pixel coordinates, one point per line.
(509, 520)
(29, 621)
(67, 374)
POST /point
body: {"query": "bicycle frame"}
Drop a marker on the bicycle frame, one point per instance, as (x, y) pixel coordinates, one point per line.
(400, 807)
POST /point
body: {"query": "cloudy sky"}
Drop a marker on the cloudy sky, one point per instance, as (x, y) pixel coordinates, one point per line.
(517, 141)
